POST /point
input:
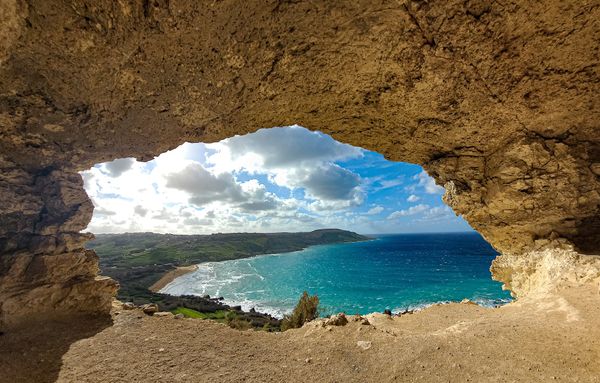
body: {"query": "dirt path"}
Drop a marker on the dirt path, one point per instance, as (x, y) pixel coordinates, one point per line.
(549, 338)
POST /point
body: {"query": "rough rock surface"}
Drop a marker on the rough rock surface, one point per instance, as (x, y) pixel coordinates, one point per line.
(336, 320)
(555, 338)
(543, 271)
(497, 100)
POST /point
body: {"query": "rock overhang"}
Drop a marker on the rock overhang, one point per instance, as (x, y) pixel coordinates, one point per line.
(498, 103)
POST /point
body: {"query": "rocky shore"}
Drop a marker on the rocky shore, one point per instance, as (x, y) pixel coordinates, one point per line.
(207, 305)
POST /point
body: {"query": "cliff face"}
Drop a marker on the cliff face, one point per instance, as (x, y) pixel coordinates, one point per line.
(497, 101)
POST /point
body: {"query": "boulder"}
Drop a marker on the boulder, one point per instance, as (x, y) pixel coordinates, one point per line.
(361, 319)
(150, 308)
(336, 320)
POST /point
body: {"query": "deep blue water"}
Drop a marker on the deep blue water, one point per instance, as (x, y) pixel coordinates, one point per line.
(397, 272)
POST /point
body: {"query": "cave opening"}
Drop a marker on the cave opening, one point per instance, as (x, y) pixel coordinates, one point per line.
(193, 220)
(497, 102)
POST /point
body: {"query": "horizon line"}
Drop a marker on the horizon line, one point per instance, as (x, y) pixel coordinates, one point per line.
(277, 232)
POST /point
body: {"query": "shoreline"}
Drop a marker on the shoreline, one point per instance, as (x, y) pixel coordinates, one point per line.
(278, 312)
(171, 276)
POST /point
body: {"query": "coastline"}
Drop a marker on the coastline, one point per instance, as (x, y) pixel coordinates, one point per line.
(278, 308)
(171, 276)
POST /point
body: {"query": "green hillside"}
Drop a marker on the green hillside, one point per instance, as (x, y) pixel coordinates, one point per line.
(137, 260)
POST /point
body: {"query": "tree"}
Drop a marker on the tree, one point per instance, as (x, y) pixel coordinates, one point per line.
(305, 311)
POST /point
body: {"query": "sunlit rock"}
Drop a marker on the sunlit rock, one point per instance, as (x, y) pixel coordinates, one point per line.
(499, 105)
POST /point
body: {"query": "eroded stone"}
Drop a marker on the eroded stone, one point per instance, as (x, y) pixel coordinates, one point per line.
(470, 90)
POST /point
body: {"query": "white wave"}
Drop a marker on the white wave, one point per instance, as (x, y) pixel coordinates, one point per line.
(247, 305)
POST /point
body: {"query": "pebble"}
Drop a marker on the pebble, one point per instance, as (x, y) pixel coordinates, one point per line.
(364, 344)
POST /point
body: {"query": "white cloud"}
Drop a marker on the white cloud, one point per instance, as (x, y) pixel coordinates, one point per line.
(294, 158)
(331, 182)
(413, 210)
(274, 180)
(279, 148)
(140, 210)
(428, 183)
(438, 213)
(386, 184)
(413, 198)
(375, 210)
(117, 167)
(197, 187)
(203, 186)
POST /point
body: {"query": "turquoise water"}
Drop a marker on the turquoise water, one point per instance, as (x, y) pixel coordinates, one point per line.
(394, 272)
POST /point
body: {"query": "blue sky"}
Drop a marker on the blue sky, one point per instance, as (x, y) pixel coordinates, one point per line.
(279, 179)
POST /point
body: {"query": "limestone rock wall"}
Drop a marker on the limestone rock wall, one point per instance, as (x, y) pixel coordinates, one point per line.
(543, 271)
(497, 100)
(44, 268)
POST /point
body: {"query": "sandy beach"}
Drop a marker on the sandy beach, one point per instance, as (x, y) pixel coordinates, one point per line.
(170, 276)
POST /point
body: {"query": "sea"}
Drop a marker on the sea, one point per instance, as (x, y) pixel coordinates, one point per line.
(397, 272)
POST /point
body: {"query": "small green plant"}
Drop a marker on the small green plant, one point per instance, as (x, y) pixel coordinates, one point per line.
(240, 324)
(218, 315)
(305, 311)
(234, 321)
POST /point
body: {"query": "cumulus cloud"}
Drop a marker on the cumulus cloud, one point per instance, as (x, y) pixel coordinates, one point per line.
(438, 213)
(295, 158)
(195, 221)
(139, 210)
(428, 183)
(375, 210)
(117, 167)
(203, 186)
(103, 211)
(331, 183)
(256, 198)
(413, 198)
(283, 179)
(279, 148)
(413, 210)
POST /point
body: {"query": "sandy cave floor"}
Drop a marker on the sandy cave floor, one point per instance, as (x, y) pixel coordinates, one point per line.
(547, 338)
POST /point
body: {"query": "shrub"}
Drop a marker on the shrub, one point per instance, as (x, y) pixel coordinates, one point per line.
(305, 311)
(234, 321)
(240, 324)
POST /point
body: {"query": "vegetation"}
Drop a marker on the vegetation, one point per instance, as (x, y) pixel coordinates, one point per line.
(138, 260)
(305, 311)
(218, 315)
(239, 324)
(233, 319)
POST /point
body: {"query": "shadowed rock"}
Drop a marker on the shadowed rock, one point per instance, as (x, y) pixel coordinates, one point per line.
(497, 102)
